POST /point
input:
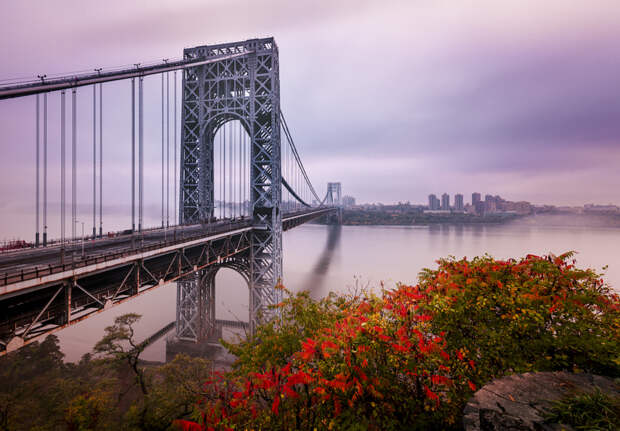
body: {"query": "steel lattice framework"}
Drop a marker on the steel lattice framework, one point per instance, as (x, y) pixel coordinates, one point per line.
(244, 88)
(221, 83)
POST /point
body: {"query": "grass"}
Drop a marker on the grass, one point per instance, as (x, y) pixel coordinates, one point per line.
(586, 411)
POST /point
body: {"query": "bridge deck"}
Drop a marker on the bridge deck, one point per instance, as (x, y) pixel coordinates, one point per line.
(32, 263)
(39, 294)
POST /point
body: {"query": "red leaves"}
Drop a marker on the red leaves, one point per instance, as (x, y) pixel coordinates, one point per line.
(339, 382)
(472, 386)
(300, 377)
(430, 394)
(440, 380)
(309, 350)
(326, 346)
(399, 348)
(275, 405)
(188, 425)
(337, 407)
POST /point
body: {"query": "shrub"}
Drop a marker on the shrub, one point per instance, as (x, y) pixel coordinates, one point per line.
(412, 356)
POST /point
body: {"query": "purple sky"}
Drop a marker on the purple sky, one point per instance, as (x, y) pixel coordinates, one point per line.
(394, 99)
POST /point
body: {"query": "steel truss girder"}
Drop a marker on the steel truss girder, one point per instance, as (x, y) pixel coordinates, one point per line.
(85, 296)
(247, 89)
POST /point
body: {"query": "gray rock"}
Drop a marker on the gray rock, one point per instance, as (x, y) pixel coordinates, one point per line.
(518, 402)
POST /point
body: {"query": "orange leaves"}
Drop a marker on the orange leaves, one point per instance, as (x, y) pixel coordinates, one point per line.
(472, 386)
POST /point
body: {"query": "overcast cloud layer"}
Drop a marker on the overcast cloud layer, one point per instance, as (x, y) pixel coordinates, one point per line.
(394, 99)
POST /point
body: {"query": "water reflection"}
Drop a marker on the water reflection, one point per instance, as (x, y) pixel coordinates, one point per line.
(316, 277)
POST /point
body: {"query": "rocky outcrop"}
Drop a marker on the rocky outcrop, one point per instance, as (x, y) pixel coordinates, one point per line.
(517, 402)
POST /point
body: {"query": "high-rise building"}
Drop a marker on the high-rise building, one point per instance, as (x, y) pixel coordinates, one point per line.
(433, 202)
(475, 198)
(458, 202)
(445, 201)
(490, 204)
(348, 201)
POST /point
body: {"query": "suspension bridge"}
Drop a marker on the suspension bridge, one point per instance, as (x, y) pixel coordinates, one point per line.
(238, 182)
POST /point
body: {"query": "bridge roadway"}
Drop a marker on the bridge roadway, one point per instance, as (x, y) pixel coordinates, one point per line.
(39, 293)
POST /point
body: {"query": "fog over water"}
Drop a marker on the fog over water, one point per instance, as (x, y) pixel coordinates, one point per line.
(322, 258)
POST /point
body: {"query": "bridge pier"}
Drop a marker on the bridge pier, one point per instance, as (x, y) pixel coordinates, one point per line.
(195, 319)
(196, 331)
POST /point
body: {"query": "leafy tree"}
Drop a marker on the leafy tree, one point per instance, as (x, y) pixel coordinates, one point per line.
(534, 314)
(118, 343)
(166, 393)
(29, 379)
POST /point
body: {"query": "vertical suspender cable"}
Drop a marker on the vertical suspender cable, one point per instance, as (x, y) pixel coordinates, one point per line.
(231, 192)
(231, 130)
(94, 161)
(247, 161)
(133, 154)
(224, 173)
(36, 239)
(140, 154)
(220, 178)
(62, 175)
(162, 150)
(240, 171)
(100, 160)
(175, 149)
(44, 169)
(167, 149)
(230, 169)
(246, 172)
(73, 162)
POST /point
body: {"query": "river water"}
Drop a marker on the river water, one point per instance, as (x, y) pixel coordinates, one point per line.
(321, 258)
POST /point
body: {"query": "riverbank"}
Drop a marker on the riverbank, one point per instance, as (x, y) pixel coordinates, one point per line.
(409, 217)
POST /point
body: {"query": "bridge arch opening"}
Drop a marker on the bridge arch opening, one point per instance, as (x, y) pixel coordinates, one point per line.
(232, 296)
(231, 146)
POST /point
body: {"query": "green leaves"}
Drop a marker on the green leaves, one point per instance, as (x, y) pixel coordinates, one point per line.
(411, 357)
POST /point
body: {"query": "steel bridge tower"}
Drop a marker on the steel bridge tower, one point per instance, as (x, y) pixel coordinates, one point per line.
(245, 88)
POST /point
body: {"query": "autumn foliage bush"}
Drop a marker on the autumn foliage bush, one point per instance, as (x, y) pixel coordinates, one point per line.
(410, 357)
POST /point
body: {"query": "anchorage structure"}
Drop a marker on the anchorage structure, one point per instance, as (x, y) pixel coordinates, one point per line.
(244, 88)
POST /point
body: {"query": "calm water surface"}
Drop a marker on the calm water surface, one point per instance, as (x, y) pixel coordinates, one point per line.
(323, 258)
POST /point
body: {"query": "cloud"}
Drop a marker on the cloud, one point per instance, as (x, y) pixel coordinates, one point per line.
(399, 98)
